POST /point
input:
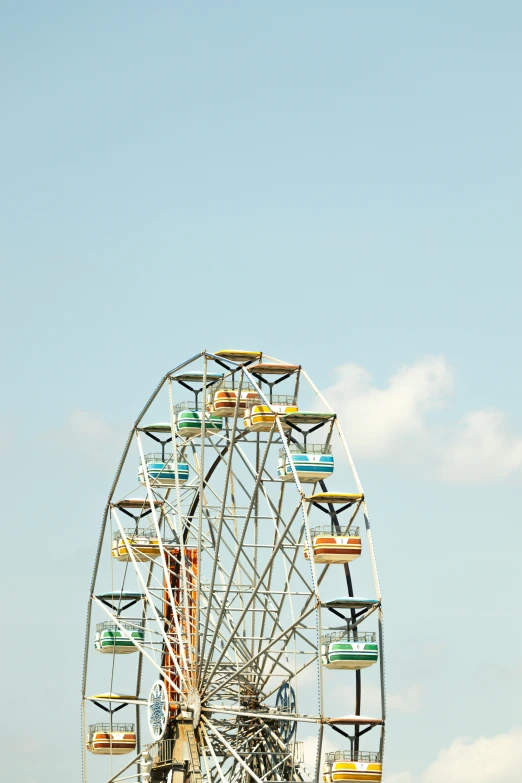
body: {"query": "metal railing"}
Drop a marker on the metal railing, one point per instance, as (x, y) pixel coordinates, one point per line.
(310, 448)
(108, 727)
(296, 750)
(353, 755)
(147, 533)
(232, 385)
(277, 399)
(167, 459)
(284, 709)
(331, 530)
(193, 408)
(187, 406)
(349, 636)
(108, 625)
(133, 533)
(162, 752)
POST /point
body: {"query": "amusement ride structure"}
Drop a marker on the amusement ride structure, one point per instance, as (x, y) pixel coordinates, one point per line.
(225, 642)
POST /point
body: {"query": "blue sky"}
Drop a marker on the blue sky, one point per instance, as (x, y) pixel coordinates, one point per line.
(338, 184)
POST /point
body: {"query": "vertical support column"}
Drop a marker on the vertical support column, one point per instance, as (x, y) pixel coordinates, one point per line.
(320, 683)
(256, 541)
(198, 662)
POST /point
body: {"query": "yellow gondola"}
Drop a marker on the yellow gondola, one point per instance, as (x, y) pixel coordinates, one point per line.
(352, 767)
(260, 417)
(144, 545)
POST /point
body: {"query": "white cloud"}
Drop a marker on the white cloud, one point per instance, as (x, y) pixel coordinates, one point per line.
(483, 449)
(396, 423)
(485, 760)
(378, 421)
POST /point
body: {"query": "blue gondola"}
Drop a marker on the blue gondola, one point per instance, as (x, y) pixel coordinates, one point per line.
(312, 463)
(162, 471)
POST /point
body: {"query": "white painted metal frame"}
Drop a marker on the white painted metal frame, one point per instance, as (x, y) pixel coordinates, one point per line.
(252, 628)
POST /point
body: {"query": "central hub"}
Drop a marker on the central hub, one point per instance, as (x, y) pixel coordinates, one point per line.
(194, 705)
(251, 698)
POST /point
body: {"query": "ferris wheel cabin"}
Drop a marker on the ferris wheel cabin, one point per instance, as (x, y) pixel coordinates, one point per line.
(111, 739)
(189, 421)
(352, 767)
(330, 547)
(349, 650)
(335, 543)
(162, 471)
(260, 417)
(110, 639)
(144, 545)
(311, 462)
(224, 397)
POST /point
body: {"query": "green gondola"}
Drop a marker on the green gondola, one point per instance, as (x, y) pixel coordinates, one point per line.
(110, 639)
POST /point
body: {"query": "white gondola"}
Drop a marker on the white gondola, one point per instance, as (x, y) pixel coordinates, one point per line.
(111, 640)
(349, 650)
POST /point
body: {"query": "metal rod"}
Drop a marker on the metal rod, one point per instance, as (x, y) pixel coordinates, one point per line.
(229, 747)
(148, 596)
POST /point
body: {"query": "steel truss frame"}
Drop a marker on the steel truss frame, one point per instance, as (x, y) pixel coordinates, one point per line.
(235, 633)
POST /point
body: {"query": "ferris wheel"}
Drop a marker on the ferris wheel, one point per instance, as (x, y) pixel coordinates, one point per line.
(223, 622)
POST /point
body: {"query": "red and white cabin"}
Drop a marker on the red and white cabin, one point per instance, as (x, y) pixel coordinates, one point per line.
(111, 739)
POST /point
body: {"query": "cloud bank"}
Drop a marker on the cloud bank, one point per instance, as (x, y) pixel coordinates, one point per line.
(485, 760)
(397, 423)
